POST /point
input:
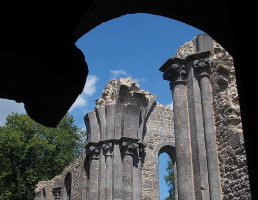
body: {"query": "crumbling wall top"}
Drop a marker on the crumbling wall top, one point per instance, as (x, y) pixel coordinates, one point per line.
(112, 91)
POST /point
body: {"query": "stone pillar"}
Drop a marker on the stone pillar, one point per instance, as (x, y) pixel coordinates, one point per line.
(128, 148)
(201, 183)
(137, 173)
(101, 114)
(93, 153)
(176, 73)
(201, 65)
(118, 173)
(175, 181)
(102, 175)
(110, 124)
(108, 152)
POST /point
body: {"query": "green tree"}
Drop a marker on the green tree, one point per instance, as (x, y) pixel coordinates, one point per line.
(169, 178)
(30, 152)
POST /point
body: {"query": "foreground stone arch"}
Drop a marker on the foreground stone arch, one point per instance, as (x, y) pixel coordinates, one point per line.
(38, 42)
(128, 129)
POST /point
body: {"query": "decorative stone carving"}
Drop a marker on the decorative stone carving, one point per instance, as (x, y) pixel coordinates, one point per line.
(175, 73)
(141, 151)
(93, 151)
(202, 66)
(107, 148)
(57, 193)
(129, 147)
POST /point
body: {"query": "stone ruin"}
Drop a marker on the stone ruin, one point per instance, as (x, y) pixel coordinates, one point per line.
(129, 129)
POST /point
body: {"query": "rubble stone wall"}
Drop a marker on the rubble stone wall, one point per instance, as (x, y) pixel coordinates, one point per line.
(232, 157)
(159, 133)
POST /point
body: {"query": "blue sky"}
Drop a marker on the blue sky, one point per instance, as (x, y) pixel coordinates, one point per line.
(134, 45)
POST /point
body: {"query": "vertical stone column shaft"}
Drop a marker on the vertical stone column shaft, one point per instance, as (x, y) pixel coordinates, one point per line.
(137, 173)
(92, 156)
(127, 177)
(109, 178)
(201, 183)
(210, 137)
(118, 173)
(102, 173)
(108, 151)
(129, 150)
(110, 124)
(176, 73)
(93, 185)
(182, 142)
(175, 181)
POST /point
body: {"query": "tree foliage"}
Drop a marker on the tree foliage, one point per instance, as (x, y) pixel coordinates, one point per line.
(169, 178)
(30, 152)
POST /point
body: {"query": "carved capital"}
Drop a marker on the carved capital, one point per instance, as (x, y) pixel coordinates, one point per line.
(202, 66)
(57, 192)
(175, 73)
(107, 148)
(141, 151)
(128, 148)
(93, 151)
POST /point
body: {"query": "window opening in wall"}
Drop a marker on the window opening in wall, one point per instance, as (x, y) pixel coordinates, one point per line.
(68, 185)
(166, 177)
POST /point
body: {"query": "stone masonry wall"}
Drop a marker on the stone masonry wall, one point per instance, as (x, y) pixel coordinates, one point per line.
(159, 133)
(229, 135)
(44, 189)
(233, 166)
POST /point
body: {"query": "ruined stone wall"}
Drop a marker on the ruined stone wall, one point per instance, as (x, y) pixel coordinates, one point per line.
(159, 133)
(228, 127)
(129, 129)
(233, 166)
(58, 186)
(124, 164)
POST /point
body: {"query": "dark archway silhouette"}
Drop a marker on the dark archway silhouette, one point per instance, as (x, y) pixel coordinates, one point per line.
(38, 52)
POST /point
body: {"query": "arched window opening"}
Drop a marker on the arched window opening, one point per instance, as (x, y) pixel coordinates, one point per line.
(68, 186)
(44, 192)
(166, 177)
(167, 173)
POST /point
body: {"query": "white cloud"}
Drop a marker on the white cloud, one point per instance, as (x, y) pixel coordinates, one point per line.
(80, 101)
(138, 80)
(7, 107)
(170, 105)
(90, 87)
(118, 73)
(121, 73)
(88, 91)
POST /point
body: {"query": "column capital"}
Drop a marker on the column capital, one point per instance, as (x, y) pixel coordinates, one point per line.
(202, 66)
(93, 150)
(174, 71)
(141, 151)
(129, 146)
(107, 148)
(201, 63)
